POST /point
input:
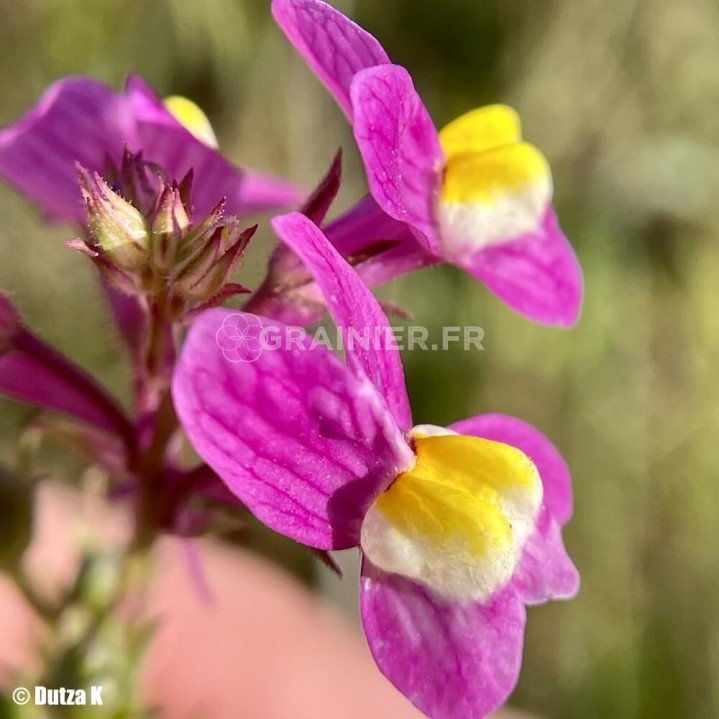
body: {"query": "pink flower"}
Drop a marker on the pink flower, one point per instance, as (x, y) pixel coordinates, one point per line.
(81, 120)
(474, 195)
(458, 527)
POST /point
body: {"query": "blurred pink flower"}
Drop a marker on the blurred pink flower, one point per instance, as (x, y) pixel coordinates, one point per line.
(81, 120)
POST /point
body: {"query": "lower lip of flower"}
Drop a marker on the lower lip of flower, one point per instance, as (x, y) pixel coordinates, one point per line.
(458, 519)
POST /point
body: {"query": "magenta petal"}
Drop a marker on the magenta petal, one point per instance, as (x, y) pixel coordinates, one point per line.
(450, 660)
(33, 372)
(165, 141)
(354, 308)
(545, 571)
(305, 304)
(302, 441)
(77, 120)
(379, 248)
(399, 146)
(80, 120)
(537, 275)
(405, 257)
(363, 227)
(553, 470)
(333, 46)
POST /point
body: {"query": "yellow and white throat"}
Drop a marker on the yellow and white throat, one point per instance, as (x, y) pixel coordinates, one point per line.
(458, 519)
(496, 187)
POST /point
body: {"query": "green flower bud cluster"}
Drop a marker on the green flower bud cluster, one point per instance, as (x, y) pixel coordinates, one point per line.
(142, 237)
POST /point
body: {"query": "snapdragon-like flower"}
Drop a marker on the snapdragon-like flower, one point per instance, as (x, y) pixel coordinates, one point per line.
(81, 120)
(459, 527)
(475, 194)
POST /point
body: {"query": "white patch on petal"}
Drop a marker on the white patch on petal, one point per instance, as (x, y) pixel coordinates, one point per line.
(453, 571)
(471, 226)
(429, 430)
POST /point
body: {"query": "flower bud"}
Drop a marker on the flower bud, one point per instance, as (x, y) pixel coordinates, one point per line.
(197, 235)
(168, 227)
(206, 273)
(200, 261)
(119, 229)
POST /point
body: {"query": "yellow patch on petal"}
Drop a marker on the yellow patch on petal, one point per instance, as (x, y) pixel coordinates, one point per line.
(493, 196)
(481, 129)
(458, 519)
(496, 187)
(192, 117)
(494, 174)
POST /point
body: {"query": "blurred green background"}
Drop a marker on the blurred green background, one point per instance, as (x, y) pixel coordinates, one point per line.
(623, 97)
